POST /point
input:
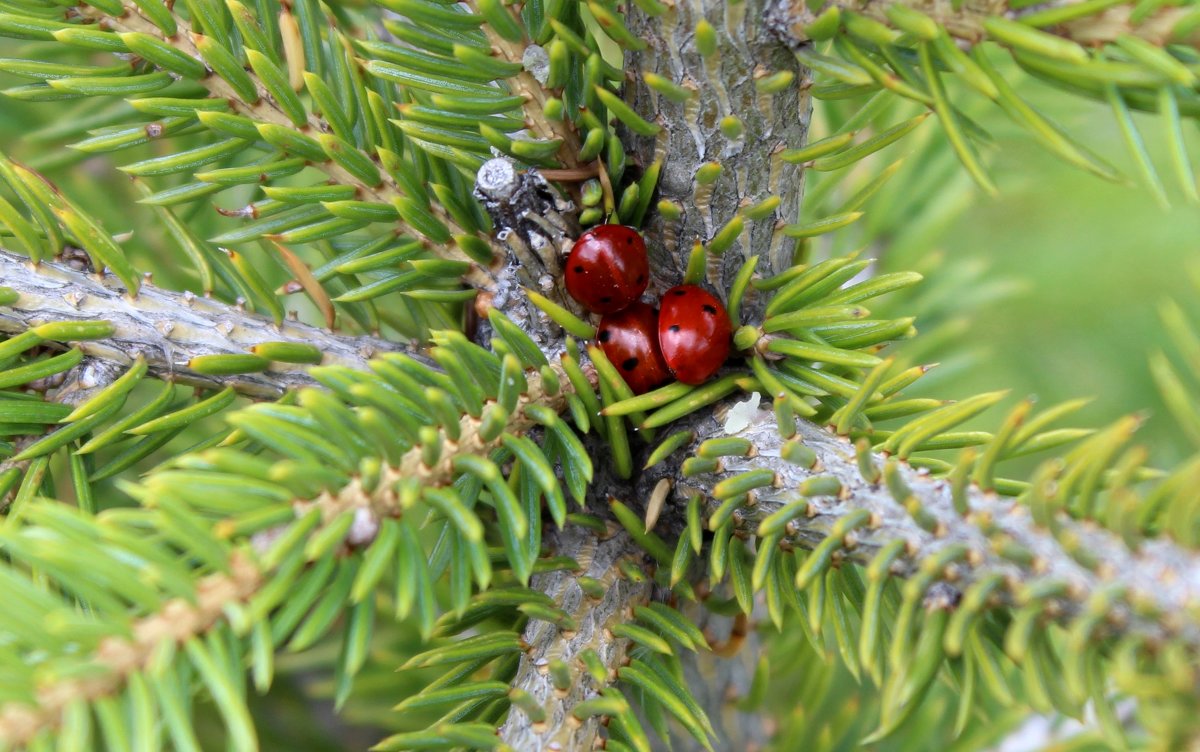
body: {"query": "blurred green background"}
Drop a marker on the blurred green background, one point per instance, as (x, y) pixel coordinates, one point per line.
(1051, 289)
(1092, 262)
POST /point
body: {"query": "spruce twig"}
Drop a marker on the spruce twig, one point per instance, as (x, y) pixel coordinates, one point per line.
(266, 110)
(1158, 578)
(244, 575)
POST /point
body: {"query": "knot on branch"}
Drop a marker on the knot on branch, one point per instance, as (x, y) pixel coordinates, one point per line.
(535, 223)
(942, 596)
(785, 21)
(524, 203)
(86, 379)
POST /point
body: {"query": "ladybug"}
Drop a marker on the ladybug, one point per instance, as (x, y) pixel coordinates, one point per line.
(608, 269)
(629, 339)
(694, 333)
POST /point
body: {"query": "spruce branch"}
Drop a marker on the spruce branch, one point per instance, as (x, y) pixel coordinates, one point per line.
(1156, 577)
(167, 328)
(245, 575)
(560, 729)
(178, 621)
(1151, 591)
(965, 21)
(266, 110)
(728, 128)
(381, 500)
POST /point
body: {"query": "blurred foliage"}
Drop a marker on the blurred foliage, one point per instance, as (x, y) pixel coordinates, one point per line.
(1068, 269)
(1093, 261)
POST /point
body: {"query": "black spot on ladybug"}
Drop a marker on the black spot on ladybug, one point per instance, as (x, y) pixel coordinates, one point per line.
(629, 364)
(628, 241)
(680, 292)
(710, 310)
(605, 335)
(606, 299)
(641, 278)
(579, 270)
(674, 327)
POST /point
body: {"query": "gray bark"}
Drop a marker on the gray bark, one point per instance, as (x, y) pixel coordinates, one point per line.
(1161, 576)
(168, 328)
(561, 731)
(536, 226)
(719, 681)
(724, 86)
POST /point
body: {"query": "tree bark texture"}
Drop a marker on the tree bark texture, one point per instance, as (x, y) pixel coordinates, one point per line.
(1152, 590)
(168, 328)
(693, 134)
(561, 731)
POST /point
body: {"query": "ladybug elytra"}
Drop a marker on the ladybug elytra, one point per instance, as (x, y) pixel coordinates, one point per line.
(694, 333)
(607, 268)
(629, 339)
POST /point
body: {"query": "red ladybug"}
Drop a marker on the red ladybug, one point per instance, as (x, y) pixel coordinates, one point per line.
(694, 333)
(630, 340)
(607, 269)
